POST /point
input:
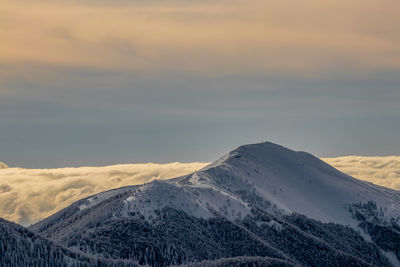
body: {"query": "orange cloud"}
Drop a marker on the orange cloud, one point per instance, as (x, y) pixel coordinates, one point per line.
(205, 36)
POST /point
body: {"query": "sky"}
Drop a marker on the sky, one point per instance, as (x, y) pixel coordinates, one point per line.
(86, 82)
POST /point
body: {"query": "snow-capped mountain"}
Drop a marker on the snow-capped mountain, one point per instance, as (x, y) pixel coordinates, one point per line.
(260, 200)
(297, 182)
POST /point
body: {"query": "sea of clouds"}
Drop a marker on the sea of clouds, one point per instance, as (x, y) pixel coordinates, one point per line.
(29, 195)
(384, 171)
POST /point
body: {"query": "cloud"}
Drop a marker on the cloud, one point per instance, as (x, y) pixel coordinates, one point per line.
(203, 36)
(29, 195)
(384, 171)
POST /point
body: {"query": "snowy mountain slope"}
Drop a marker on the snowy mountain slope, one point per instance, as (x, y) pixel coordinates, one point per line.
(264, 174)
(246, 197)
(174, 238)
(21, 247)
(297, 182)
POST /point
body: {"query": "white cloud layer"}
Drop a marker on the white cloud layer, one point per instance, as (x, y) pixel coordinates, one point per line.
(384, 171)
(29, 195)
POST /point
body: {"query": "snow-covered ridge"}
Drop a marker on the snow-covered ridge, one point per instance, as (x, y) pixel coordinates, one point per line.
(39, 193)
(299, 182)
(266, 175)
(252, 186)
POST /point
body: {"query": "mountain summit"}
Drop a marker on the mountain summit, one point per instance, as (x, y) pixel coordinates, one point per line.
(260, 200)
(298, 182)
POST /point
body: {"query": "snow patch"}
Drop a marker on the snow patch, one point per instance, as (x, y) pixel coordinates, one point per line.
(96, 199)
(159, 194)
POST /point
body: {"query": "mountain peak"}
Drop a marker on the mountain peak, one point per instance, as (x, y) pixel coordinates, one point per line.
(261, 146)
(261, 184)
(269, 149)
(267, 153)
(295, 181)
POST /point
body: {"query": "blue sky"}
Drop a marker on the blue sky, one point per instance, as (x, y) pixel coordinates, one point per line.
(85, 83)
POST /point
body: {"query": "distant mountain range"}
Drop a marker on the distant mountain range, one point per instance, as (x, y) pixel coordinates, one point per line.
(259, 205)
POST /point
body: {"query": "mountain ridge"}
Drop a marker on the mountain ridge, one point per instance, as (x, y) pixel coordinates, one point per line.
(252, 191)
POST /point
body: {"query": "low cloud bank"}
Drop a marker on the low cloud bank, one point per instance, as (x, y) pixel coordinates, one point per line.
(29, 195)
(384, 171)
